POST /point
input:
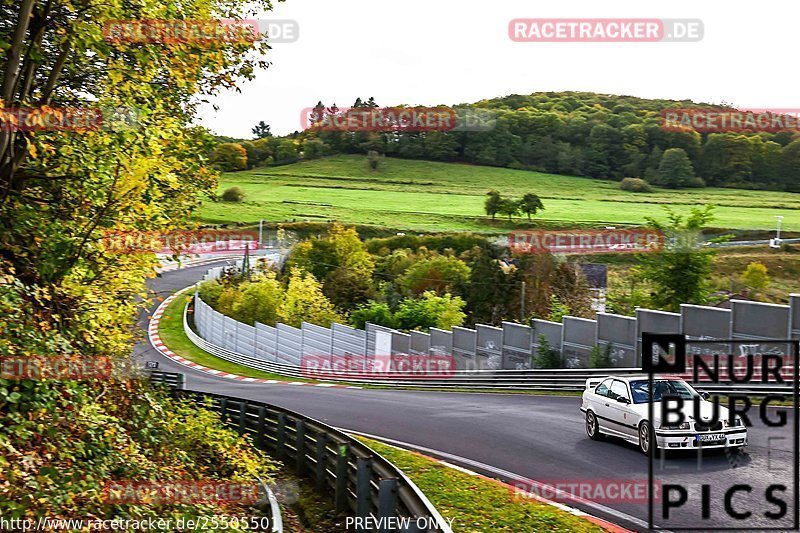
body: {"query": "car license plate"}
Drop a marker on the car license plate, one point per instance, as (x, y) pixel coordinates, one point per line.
(711, 437)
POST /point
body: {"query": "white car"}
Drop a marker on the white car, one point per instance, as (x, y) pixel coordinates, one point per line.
(618, 406)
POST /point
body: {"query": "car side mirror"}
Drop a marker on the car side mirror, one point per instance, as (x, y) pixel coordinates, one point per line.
(704, 395)
(622, 399)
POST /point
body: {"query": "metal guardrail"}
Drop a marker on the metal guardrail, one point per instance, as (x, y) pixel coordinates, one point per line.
(557, 380)
(363, 483)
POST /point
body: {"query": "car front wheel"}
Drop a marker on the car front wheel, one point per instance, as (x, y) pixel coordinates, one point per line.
(592, 426)
(646, 437)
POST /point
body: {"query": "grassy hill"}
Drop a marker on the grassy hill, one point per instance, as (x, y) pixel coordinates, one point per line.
(430, 196)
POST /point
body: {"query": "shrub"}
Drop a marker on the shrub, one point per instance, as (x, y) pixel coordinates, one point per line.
(635, 185)
(696, 182)
(228, 157)
(547, 356)
(374, 312)
(374, 158)
(601, 357)
(234, 194)
(755, 276)
(210, 291)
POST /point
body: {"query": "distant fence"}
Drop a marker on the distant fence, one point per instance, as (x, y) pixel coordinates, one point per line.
(360, 482)
(509, 347)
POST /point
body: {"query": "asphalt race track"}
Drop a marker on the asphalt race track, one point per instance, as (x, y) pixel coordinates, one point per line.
(524, 436)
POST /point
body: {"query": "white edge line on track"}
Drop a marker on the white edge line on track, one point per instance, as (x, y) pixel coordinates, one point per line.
(505, 474)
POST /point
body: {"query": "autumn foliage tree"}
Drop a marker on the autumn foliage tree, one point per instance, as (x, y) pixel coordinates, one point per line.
(63, 289)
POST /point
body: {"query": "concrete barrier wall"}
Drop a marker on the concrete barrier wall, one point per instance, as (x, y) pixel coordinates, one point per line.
(489, 347)
(420, 343)
(517, 348)
(512, 346)
(441, 342)
(754, 320)
(552, 331)
(464, 348)
(619, 332)
(650, 321)
(579, 336)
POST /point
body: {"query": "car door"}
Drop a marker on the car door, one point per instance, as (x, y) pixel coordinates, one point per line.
(601, 404)
(620, 412)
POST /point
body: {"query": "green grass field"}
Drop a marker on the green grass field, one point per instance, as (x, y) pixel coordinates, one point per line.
(428, 196)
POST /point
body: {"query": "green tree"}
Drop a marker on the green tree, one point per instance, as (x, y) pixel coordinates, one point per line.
(492, 203)
(675, 170)
(304, 301)
(680, 273)
(258, 301)
(441, 274)
(570, 288)
(558, 309)
(531, 204)
(374, 312)
(755, 276)
(262, 130)
(430, 311)
(509, 207)
(314, 149)
(489, 292)
(229, 157)
(790, 166)
(259, 153)
(210, 291)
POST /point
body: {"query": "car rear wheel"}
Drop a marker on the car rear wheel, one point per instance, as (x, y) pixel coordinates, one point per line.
(646, 437)
(592, 426)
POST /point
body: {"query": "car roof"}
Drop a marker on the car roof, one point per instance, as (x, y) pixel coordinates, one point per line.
(638, 377)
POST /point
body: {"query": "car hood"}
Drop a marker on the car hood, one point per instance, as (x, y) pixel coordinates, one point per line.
(706, 411)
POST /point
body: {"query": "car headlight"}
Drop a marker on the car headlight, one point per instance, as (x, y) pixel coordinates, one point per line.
(684, 425)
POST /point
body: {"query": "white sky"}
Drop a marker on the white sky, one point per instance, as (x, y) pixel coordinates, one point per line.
(428, 52)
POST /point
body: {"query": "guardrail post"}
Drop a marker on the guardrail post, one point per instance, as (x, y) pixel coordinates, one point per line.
(363, 477)
(262, 416)
(342, 460)
(387, 500)
(242, 417)
(321, 458)
(180, 381)
(223, 410)
(281, 437)
(300, 445)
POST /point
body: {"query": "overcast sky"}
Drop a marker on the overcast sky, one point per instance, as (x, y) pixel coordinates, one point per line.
(428, 52)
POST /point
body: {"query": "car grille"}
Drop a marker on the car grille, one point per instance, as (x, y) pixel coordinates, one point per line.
(712, 427)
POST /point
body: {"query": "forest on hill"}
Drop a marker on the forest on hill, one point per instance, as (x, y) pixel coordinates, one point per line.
(571, 133)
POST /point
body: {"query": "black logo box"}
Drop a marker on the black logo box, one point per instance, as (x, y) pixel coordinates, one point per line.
(675, 346)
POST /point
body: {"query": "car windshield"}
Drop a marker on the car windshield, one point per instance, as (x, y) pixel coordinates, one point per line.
(661, 387)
